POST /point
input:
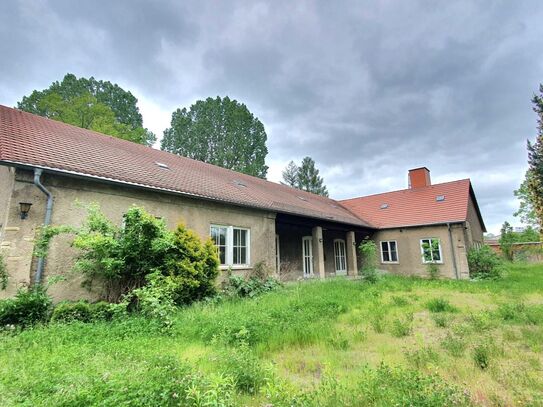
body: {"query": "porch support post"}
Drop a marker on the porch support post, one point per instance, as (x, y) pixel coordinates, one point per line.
(318, 252)
(352, 265)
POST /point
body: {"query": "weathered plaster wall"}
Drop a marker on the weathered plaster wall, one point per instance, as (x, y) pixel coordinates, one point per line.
(409, 253)
(71, 194)
(474, 228)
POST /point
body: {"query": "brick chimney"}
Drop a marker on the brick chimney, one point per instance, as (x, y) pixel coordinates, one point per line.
(419, 177)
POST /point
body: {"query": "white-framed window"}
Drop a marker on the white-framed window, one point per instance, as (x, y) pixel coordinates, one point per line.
(233, 244)
(430, 249)
(340, 257)
(307, 251)
(389, 251)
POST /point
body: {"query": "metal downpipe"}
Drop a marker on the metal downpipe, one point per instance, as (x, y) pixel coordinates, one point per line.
(46, 222)
(452, 252)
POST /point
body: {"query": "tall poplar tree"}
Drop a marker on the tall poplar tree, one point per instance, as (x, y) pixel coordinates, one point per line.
(219, 131)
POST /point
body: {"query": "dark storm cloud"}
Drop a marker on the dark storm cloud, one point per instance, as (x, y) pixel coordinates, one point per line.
(368, 90)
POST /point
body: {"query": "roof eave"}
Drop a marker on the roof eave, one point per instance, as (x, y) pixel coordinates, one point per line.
(415, 225)
(107, 180)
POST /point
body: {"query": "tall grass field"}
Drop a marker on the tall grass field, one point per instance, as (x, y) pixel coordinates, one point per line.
(399, 342)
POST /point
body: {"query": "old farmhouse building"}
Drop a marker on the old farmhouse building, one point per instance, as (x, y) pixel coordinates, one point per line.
(56, 168)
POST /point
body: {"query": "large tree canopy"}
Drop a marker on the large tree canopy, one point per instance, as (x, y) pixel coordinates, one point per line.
(526, 211)
(535, 162)
(219, 131)
(305, 177)
(91, 104)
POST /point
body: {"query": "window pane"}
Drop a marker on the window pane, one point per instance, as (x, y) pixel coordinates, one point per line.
(427, 252)
(222, 255)
(435, 250)
(384, 251)
(393, 251)
(243, 255)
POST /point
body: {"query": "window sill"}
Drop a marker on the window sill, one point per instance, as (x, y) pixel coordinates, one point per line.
(236, 267)
(390, 262)
(432, 262)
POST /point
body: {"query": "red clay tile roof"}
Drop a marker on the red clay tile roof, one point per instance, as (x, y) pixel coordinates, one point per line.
(418, 206)
(30, 140)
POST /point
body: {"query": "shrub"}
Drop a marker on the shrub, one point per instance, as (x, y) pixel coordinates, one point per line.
(421, 358)
(250, 287)
(122, 257)
(244, 367)
(156, 299)
(368, 253)
(402, 326)
(28, 307)
(481, 356)
(3, 273)
(71, 311)
(454, 345)
(440, 305)
(484, 263)
(82, 311)
(433, 270)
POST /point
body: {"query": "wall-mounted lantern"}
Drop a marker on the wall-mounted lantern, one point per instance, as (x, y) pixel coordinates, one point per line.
(25, 208)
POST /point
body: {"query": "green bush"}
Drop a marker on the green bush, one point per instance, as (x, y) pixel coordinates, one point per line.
(244, 367)
(439, 305)
(122, 257)
(82, 311)
(368, 253)
(28, 307)
(71, 311)
(250, 287)
(481, 356)
(484, 263)
(454, 345)
(402, 326)
(433, 270)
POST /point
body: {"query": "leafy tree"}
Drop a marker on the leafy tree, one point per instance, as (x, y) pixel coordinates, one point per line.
(535, 161)
(309, 179)
(526, 211)
(122, 258)
(91, 104)
(290, 174)
(219, 131)
(507, 238)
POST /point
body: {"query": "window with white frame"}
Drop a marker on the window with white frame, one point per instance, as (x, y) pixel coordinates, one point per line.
(389, 251)
(233, 244)
(431, 250)
(340, 256)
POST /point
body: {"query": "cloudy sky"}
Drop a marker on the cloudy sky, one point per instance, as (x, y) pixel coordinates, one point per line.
(368, 89)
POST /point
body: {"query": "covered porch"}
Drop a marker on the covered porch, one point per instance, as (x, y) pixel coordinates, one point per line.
(312, 248)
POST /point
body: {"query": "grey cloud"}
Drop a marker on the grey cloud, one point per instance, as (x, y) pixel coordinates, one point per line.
(368, 89)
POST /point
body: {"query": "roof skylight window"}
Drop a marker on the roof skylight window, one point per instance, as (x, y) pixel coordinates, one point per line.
(440, 198)
(240, 183)
(162, 165)
(384, 206)
(302, 198)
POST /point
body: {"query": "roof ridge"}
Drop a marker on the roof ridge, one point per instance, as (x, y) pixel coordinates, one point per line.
(404, 190)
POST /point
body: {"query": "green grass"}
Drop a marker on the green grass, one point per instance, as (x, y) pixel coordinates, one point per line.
(401, 341)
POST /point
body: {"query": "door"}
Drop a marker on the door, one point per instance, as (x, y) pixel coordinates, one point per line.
(340, 257)
(307, 251)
